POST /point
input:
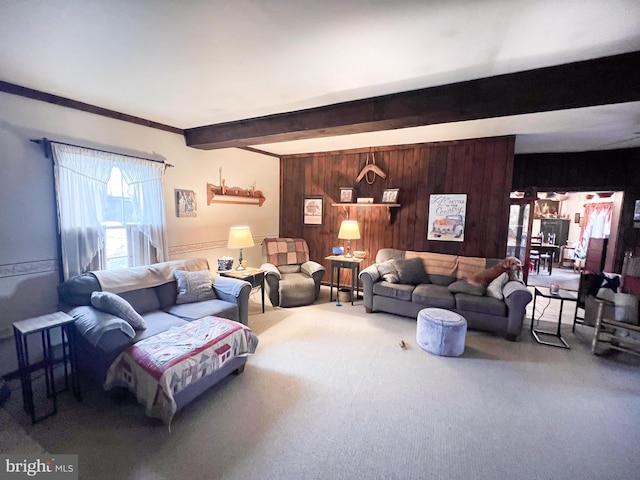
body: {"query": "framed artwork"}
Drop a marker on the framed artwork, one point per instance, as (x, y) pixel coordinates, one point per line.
(447, 217)
(313, 210)
(390, 195)
(346, 195)
(186, 205)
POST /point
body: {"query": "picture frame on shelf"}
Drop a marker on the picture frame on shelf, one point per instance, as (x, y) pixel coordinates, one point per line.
(313, 210)
(346, 195)
(390, 195)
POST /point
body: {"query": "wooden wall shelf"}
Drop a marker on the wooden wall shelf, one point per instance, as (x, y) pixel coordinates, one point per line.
(389, 206)
(365, 205)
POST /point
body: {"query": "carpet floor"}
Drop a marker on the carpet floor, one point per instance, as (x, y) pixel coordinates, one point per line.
(329, 393)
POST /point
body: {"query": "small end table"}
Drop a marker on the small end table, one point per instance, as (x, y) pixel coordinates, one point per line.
(254, 276)
(44, 325)
(563, 296)
(339, 262)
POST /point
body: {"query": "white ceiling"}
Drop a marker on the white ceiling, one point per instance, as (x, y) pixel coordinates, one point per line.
(190, 63)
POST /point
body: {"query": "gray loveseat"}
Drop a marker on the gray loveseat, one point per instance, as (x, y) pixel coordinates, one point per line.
(152, 291)
(404, 282)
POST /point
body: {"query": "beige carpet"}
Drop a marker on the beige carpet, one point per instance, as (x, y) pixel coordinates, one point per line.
(330, 394)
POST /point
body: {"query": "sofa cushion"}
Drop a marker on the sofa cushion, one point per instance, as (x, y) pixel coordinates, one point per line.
(157, 322)
(432, 295)
(393, 290)
(93, 324)
(388, 271)
(442, 280)
(196, 310)
(143, 300)
(194, 286)
(486, 305)
(167, 294)
(411, 271)
(116, 305)
(462, 286)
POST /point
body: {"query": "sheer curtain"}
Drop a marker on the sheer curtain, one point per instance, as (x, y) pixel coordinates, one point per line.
(146, 179)
(81, 177)
(597, 220)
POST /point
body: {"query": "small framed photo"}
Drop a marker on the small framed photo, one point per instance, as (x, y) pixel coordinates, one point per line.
(390, 195)
(313, 209)
(346, 195)
(185, 203)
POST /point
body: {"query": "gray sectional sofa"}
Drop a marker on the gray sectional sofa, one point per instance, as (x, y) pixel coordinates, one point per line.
(152, 291)
(404, 282)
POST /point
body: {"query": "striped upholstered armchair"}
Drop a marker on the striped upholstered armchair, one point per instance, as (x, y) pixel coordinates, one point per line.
(292, 279)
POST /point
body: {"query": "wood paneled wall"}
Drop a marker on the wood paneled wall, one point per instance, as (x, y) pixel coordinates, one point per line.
(481, 168)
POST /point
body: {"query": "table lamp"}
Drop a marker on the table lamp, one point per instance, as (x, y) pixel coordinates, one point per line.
(240, 237)
(349, 230)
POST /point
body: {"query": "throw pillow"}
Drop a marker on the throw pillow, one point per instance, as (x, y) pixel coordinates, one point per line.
(194, 286)
(462, 286)
(116, 305)
(494, 290)
(388, 272)
(411, 271)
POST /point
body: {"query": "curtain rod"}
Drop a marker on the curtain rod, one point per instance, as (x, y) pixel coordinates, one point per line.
(45, 142)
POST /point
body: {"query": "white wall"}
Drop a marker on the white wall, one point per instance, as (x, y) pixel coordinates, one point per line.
(28, 251)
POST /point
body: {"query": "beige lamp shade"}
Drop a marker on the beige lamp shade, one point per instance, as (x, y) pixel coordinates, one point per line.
(349, 230)
(240, 237)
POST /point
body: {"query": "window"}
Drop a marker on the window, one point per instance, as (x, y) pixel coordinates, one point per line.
(124, 245)
(110, 209)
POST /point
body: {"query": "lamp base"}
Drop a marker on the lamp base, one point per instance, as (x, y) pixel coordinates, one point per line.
(240, 268)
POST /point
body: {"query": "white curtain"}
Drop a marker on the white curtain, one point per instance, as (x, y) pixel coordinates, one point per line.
(81, 177)
(148, 205)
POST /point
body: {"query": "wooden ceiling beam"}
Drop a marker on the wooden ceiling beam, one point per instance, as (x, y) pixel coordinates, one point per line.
(602, 81)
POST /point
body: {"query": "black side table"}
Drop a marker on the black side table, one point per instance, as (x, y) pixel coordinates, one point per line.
(562, 296)
(44, 325)
(339, 262)
(254, 276)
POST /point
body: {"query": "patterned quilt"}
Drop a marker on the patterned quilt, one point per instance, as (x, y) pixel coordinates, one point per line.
(158, 367)
(285, 251)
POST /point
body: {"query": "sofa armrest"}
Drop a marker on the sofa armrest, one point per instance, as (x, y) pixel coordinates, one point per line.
(517, 303)
(271, 269)
(312, 268)
(234, 291)
(368, 277)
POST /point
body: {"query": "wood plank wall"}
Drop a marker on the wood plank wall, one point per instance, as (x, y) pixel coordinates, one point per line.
(481, 168)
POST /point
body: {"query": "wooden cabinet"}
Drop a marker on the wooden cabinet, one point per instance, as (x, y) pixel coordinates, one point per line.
(556, 226)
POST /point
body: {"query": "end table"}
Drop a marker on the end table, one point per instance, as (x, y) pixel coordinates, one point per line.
(254, 276)
(44, 325)
(339, 262)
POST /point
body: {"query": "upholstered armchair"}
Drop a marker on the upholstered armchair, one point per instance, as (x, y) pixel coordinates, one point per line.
(292, 279)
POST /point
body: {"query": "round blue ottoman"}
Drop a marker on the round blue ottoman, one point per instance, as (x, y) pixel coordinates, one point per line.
(441, 332)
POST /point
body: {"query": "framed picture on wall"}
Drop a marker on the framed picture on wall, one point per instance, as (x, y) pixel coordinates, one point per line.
(346, 194)
(313, 210)
(186, 205)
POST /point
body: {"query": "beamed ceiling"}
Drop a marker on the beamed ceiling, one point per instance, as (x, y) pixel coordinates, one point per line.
(302, 76)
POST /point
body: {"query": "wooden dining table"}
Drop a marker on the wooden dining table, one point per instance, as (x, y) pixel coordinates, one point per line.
(551, 249)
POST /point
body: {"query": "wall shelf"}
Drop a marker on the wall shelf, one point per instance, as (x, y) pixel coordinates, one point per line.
(389, 206)
(365, 205)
